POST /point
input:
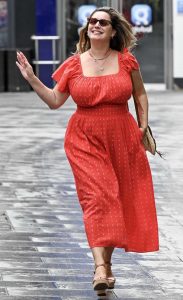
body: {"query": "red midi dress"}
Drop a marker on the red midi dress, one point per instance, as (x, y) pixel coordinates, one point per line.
(104, 147)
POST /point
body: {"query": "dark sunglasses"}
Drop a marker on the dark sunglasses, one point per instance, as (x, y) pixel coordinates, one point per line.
(102, 22)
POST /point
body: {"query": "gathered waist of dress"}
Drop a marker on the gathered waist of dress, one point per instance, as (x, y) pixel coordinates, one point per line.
(103, 110)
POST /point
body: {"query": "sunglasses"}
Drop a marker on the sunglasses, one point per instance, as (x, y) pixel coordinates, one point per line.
(102, 22)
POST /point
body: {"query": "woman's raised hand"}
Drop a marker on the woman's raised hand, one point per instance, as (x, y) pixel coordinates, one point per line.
(24, 66)
(52, 97)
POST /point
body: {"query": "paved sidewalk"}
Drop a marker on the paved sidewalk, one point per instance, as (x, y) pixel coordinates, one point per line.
(43, 248)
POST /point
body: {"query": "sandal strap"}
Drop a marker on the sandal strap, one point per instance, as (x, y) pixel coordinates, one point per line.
(100, 265)
(107, 263)
(99, 277)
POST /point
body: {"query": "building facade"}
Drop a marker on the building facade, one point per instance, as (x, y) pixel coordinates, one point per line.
(158, 24)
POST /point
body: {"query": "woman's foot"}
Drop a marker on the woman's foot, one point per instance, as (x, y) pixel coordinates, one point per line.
(100, 281)
(110, 277)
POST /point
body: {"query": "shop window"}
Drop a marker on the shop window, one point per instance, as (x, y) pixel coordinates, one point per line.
(147, 18)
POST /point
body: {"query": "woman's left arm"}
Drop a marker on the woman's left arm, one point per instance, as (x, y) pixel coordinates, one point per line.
(140, 98)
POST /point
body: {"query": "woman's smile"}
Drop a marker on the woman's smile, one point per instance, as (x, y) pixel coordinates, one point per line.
(96, 31)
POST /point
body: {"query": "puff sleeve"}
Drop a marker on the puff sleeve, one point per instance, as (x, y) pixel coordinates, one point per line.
(129, 61)
(64, 73)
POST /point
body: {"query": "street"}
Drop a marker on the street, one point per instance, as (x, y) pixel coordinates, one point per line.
(43, 248)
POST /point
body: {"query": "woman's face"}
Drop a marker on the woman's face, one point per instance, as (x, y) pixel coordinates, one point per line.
(99, 32)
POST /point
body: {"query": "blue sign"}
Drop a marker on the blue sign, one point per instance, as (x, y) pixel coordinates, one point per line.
(85, 11)
(46, 25)
(141, 15)
(180, 6)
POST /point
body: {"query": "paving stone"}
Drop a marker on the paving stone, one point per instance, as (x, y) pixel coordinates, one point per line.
(43, 249)
(30, 298)
(2, 291)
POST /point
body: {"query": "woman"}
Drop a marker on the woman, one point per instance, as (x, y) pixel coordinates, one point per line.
(103, 142)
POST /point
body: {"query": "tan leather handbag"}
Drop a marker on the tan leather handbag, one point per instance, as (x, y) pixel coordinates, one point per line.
(148, 140)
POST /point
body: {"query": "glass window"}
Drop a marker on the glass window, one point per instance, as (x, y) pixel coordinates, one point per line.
(3, 23)
(147, 18)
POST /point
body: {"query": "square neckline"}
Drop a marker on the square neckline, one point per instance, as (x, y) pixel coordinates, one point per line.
(98, 76)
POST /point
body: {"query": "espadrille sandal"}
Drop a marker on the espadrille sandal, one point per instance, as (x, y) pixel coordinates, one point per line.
(100, 284)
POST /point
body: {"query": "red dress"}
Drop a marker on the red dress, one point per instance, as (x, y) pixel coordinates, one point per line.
(111, 170)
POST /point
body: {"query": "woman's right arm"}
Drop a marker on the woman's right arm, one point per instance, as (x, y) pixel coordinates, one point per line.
(52, 97)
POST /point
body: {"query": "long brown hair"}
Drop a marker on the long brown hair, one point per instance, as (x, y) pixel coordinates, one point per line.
(124, 37)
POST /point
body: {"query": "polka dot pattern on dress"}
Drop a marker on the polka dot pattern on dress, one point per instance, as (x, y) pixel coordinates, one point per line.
(111, 170)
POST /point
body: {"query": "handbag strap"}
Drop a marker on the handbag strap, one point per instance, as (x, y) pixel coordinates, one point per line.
(137, 112)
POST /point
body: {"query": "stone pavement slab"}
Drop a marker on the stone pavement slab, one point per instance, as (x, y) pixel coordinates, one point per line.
(43, 248)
